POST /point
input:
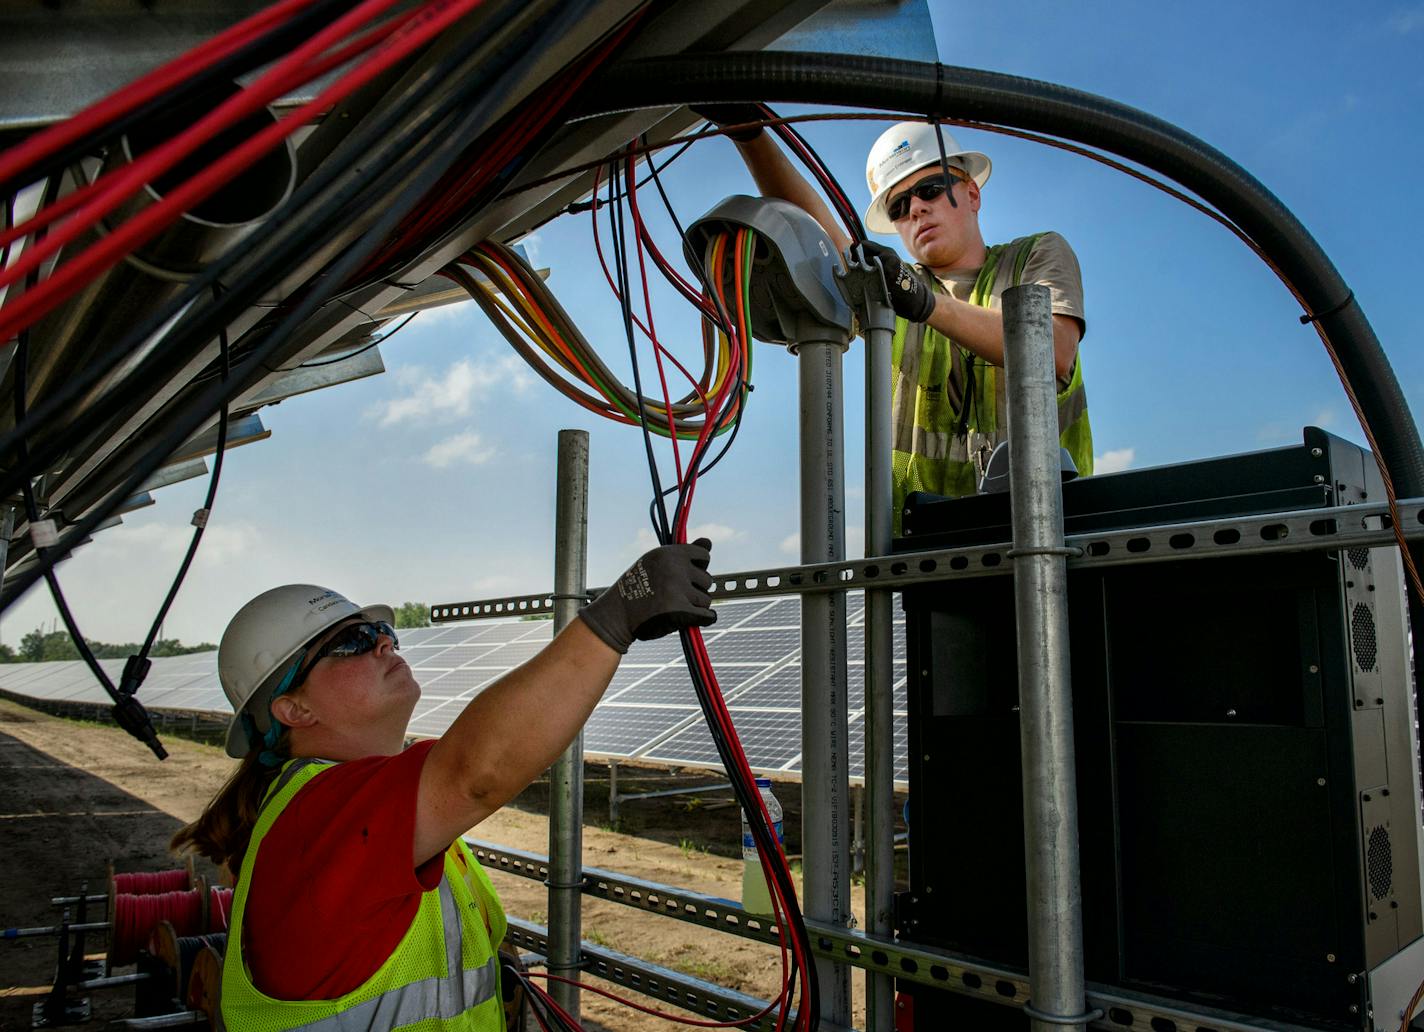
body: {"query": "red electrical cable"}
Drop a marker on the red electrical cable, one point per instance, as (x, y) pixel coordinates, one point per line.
(412, 33)
(219, 908)
(135, 918)
(149, 883)
(16, 161)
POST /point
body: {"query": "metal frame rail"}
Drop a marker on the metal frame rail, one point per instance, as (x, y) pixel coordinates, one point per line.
(1338, 527)
(954, 972)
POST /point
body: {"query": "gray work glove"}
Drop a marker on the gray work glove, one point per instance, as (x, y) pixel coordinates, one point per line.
(723, 115)
(664, 591)
(909, 295)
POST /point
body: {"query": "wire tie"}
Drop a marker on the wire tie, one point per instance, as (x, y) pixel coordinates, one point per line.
(44, 533)
(1096, 1014)
(200, 518)
(577, 596)
(1307, 318)
(1067, 551)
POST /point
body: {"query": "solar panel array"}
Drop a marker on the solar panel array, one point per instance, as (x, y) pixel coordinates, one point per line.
(649, 712)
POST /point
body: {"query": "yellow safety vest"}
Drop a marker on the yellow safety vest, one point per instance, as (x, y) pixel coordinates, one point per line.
(947, 400)
(444, 975)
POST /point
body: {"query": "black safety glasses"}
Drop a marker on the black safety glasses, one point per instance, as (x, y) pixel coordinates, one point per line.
(898, 206)
(355, 639)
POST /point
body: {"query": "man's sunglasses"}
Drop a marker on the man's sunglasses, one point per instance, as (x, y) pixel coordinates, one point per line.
(898, 206)
(355, 639)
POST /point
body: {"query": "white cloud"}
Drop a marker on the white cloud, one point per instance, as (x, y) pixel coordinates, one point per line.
(1114, 461)
(1406, 21)
(468, 448)
(791, 544)
(450, 395)
(443, 313)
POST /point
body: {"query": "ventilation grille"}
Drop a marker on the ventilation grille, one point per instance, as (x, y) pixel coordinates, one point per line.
(1362, 637)
(1359, 557)
(1379, 862)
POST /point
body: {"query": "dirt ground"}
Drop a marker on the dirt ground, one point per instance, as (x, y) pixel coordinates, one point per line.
(75, 796)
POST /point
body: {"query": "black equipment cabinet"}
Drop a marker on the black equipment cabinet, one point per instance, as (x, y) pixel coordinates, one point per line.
(1246, 778)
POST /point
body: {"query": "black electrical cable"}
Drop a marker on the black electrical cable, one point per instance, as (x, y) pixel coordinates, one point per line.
(434, 159)
(289, 237)
(625, 300)
(136, 667)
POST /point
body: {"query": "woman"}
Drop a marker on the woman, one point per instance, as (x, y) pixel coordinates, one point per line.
(357, 905)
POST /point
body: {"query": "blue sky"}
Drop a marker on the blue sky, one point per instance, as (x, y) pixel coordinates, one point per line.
(434, 482)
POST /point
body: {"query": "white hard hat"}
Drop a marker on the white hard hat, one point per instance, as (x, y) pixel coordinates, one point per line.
(904, 149)
(262, 641)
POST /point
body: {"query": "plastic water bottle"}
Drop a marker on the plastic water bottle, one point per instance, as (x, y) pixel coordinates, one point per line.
(756, 897)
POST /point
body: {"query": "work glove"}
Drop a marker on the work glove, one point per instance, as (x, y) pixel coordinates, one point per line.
(664, 591)
(722, 115)
(909, 295)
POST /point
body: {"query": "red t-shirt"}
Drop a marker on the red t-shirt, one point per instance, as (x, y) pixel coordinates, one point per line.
(334, 888)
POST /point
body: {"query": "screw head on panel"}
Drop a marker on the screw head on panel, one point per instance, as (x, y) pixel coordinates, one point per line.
(1316, 453)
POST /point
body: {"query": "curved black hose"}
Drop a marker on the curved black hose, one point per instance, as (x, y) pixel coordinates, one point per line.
(963, 93)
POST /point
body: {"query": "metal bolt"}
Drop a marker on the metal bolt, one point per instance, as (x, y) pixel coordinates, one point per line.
(927, 757)
(1314, 668)
(929, 889)
(1329, 958)
(1320, 782)
(1352, 978)
(1319, 479)
(1384, 791)
(1231, 713)
(1354, 1008)
(1367, 797)
(1315, 453)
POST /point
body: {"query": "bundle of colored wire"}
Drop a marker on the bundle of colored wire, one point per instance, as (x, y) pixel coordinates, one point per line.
(335, 45)
(725, 272)
(538, 327)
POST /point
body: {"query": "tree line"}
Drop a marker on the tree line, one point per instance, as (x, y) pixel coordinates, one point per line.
(41, 646)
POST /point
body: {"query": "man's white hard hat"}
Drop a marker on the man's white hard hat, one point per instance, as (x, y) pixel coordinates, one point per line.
(903, 150)
(262, 641)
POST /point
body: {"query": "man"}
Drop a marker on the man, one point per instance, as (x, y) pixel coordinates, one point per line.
(949, 405)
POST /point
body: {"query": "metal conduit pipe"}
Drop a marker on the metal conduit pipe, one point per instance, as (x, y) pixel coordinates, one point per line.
(951, 92)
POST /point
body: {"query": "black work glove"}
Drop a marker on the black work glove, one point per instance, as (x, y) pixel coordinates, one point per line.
(909, 295)
(664, 591)
(722, 115)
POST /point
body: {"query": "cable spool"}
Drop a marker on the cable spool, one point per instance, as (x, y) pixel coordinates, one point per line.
(205, 982)
(163, 944)
(136, 917)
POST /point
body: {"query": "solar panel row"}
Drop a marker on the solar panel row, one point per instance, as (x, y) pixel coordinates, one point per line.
(649, 712)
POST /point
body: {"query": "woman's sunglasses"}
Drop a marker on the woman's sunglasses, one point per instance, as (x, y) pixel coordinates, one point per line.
(926, 190)
(355, 639)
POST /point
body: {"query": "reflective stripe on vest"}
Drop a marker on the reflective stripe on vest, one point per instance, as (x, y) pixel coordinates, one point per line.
(940, 428)
(440, 998)
(460, 984)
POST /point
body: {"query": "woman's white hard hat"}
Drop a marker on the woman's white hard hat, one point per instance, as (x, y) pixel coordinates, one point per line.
(263, 639)
(905, 149)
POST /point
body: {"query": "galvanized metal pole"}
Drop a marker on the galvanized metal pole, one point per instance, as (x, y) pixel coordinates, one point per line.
(1055, 901)
(825, 783)
(879, 669)
(566, 775)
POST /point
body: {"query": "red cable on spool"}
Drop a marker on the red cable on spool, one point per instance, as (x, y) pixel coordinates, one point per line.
(219, 908)
(150, 883)
(135, 918)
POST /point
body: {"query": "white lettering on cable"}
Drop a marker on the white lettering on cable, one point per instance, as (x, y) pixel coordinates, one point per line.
(44, 533)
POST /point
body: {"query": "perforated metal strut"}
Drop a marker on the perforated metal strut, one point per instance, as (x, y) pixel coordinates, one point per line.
(1341, 528)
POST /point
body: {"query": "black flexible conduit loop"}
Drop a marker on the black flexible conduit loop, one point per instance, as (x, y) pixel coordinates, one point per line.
(964, 94)
(949, 92)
